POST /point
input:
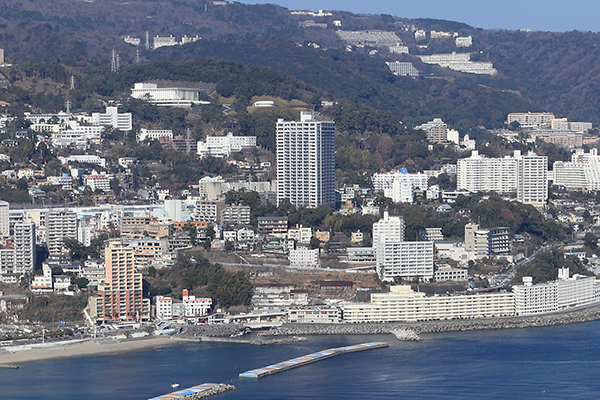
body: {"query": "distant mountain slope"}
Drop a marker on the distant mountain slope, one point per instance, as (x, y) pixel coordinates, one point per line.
(366, 79)
(560, 72)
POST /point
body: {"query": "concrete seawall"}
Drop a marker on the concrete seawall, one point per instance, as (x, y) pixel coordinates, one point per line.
(573, 316)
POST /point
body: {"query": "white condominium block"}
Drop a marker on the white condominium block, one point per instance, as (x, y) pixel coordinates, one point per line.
(4, 212)
(223, 146)
(306, 161)
(153, 134)
(481, 174)
(304, 258)
(529, 119)
(113, 118)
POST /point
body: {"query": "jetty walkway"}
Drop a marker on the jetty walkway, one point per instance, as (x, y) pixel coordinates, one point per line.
(309, 358)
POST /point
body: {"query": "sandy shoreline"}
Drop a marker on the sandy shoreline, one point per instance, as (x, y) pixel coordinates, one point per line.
(85, 349)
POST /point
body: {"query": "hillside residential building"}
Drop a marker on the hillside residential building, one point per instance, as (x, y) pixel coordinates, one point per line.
(460, 62)
(582, 172)
(4, 224)
(436, 130)
(223, 146)
(530, 120)
(532, 178)
(153, 134)
(235, 214)
(304, 258)
(399, 185)
(396, 258)
(114, 119)
(523, 174)
(24, 247)
(60, 225)
(478, 173)
(486, 241)
(306, 161)
(402, 68)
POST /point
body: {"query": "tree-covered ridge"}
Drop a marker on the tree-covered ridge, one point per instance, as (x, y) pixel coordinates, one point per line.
(203, 278)
(350, 75)
(544, 267)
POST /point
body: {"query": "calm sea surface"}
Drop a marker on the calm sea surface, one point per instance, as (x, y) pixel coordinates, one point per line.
(545, 363)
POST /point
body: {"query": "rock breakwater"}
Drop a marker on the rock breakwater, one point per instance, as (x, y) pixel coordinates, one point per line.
(406, 335)
(210, 392)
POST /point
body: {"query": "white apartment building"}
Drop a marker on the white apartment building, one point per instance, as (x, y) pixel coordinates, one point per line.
(582, 172)
(460, 62)
(84, 159)
(563, 293)
(530, 120)
(300, 234)
(153, 134)
(24, 247)
(60, 225)
(306, 161)
(399, 184)
(390, 228)
(64, 181)
(191, 307)
(406, 260)
(163, 41)
(525, 175)
(114, 119)
(478, 173)
(532, 178)
(223, 146)
(402, 68)
(304, 258)
(98, 182)
(164, 307)
(4, 219)
(403, 304)
(404, 186)
(174, 97)
(463, 41)
(396, 258)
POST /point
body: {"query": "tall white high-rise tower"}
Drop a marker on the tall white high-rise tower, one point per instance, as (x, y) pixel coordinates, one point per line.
(306, 161)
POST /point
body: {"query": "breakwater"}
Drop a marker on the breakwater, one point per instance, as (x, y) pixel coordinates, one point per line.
(309, 358)
(197, 392)
(255, 342)
(530, 321)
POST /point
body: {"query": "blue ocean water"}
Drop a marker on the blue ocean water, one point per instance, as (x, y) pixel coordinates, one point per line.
(536, 363)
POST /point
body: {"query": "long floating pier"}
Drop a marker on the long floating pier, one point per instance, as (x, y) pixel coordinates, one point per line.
(309, 358)
(198, 391)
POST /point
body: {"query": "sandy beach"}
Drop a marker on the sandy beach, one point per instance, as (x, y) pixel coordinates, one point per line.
(85, 349)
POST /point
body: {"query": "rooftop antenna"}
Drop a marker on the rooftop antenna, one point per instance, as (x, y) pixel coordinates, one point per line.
(113, 61)
(72, 82)
(147, 41)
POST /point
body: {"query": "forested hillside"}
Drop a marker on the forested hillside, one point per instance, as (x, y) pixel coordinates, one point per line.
(555, 72)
